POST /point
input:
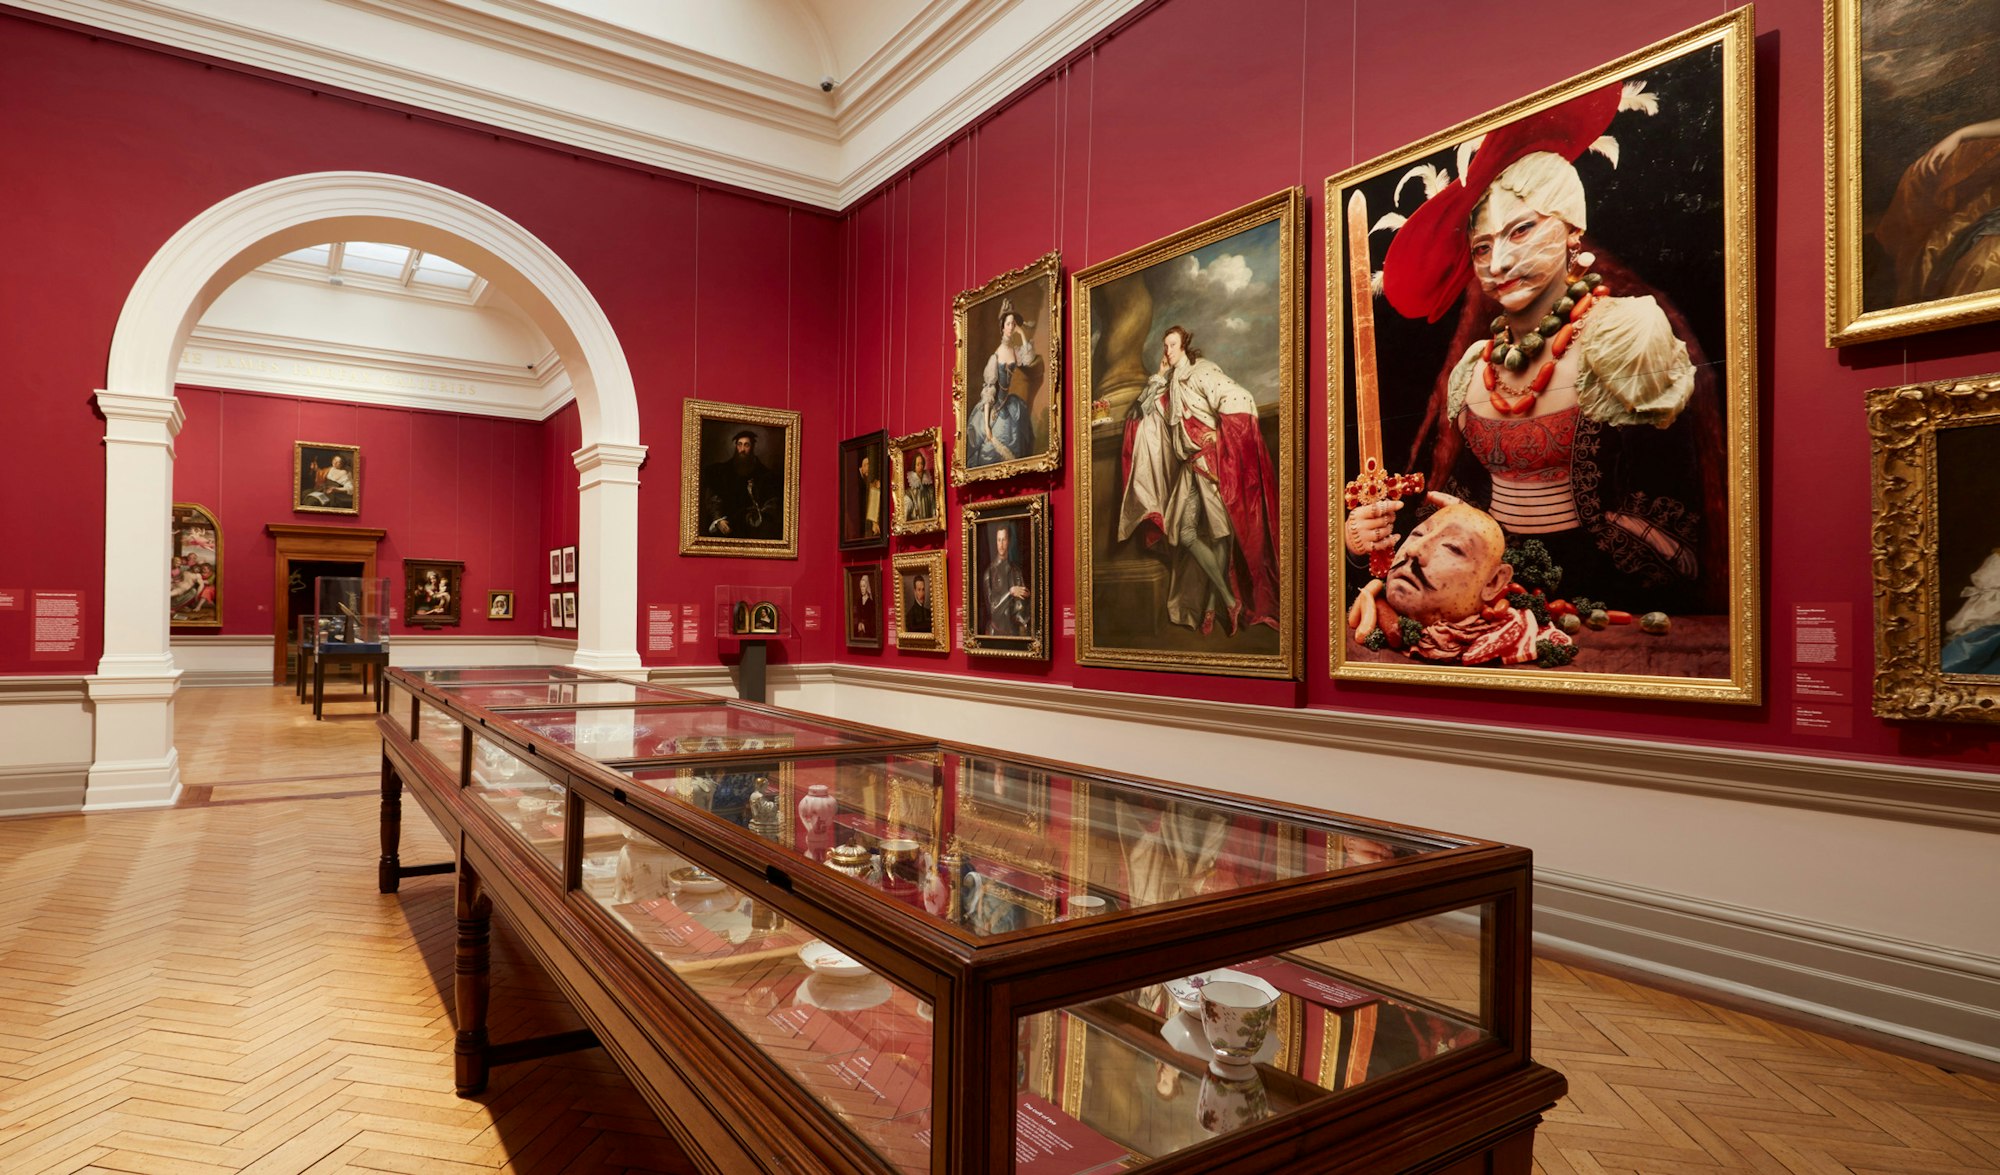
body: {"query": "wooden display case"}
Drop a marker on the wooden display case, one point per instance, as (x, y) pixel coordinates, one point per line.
(817, 947)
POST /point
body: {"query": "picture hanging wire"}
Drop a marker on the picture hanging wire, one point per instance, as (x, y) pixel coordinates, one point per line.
(788, 306)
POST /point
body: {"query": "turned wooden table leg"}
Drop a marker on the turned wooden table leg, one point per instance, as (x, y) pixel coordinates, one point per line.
(389, 872)
(470, 983)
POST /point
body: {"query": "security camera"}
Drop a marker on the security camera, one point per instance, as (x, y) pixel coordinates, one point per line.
(826, 84)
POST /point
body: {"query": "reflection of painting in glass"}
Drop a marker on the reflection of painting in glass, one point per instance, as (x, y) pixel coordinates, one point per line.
(1968, 571)
(1930, 150)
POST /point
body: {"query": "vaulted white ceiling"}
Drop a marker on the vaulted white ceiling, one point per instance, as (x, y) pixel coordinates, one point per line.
(725, 90)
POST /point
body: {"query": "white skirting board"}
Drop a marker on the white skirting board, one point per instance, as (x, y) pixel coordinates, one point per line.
(246, 660)
(46, 745)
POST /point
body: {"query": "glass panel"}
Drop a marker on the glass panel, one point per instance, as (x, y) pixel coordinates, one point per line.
(568, 693)
(853, 1041)
(353, 614)
(528, 802)
(375, 258)
(398, 707)
(500, 673)
(311, 254)
(439, 735)
(1140, 1075)
(653, 732)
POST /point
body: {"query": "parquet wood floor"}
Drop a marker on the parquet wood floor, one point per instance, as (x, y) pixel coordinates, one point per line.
(218, 988)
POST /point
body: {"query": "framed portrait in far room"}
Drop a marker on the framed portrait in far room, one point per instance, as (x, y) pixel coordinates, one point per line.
(862, 605)
(1912, 167)
(499, 605)
(326, 479)
(433, 592)
(569, 564)
(739, 480)
(555, 565)
(922, 616)
(569, 609)
(1006, 576)
(555, 610)
(1937, 549)
(917, 482)
(864, 491)
(1007, 386)
(194, 568)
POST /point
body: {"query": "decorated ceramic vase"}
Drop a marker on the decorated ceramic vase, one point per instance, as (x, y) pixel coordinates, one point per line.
(816, 810)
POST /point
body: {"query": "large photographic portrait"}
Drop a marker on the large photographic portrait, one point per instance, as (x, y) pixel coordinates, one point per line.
(1187, 443)
(1913, 166)
(739, 481)
(918, 482)
(922, 616)
(1006, 563)
(326, 479)
(1007, 392)
(864, 491)
(433, 592)
(861, 595)
(1542, 390)
(194, 569)
(1937, 549)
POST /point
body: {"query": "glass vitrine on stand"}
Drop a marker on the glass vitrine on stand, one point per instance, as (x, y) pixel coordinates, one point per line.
(351, 627)
(834, 948)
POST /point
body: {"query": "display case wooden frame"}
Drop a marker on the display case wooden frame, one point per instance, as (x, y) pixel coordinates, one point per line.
(736, 1109)
(980, 523)
(1935, 485)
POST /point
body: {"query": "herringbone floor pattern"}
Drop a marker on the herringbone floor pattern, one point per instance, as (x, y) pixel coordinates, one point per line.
(219, 988)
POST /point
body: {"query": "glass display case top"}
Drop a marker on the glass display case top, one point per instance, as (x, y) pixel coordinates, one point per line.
(502, 673)
(994, 845)
(353, 612)
(586, 692)
(687, 729)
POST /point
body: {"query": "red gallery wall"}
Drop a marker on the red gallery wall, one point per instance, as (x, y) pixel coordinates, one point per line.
(443, 485)
(1199, 106)
(116, 147)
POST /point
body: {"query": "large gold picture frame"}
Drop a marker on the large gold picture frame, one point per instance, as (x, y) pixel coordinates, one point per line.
(194, 574)
(730, 509)
(1937, 549)
(1912, 167)
(1227, 296)
(1657, 494)
(1020, 429)
(997, 627)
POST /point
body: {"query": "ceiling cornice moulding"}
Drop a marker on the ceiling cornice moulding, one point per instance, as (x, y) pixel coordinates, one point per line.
(578, 82)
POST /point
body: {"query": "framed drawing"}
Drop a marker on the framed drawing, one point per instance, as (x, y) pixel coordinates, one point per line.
(1188, 504)
(555, 565)
(432, 592)
(1937, 549)
(921, 620)
(555, 610)
(499, 605)
(1542, 389)
(1912, 167)
(1006, 561)
(1007, 392)
(569, 564)
(913, 475)
(326, 479)
(569, 609)
(862, 605)
(739, 481)
(194, 569)
(864, 492)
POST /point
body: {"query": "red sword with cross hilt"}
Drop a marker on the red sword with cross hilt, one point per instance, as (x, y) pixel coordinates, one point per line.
(1374, 484)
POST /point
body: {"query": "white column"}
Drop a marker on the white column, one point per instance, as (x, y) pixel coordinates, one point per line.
(607, 636)
(134, 763)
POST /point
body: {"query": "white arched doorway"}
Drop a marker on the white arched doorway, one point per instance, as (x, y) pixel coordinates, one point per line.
(134, 763)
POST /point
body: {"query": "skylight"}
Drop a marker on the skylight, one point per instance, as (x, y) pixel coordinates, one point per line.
(384, 268)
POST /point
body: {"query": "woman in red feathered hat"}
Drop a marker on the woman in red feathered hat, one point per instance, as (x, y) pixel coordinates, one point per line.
(1575, 405)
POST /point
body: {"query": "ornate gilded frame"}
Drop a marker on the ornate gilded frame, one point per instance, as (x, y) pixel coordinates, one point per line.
(451, 572)
(693, 542)
(1910, 600)
(299, 491)
(1286, 209)
(1033, 509)
(1734, 33)
(936, 638)
(186, 515)
(1847, 321)
(973, 347)
(900, 521)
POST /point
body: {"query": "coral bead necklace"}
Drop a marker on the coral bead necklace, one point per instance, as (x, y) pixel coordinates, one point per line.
(1553, 334)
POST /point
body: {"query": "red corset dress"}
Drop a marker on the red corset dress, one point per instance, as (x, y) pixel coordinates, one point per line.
(1529, 460)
